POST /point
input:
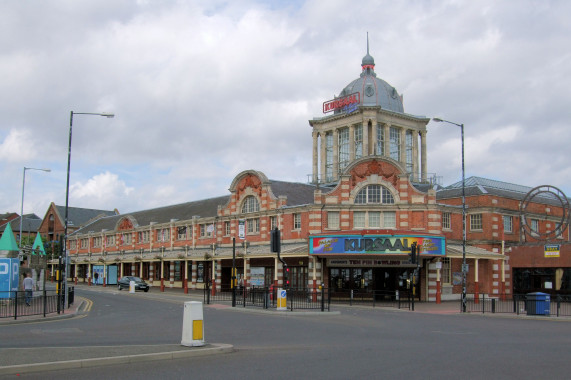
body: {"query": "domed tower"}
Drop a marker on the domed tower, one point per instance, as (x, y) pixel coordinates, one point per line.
(367, 119)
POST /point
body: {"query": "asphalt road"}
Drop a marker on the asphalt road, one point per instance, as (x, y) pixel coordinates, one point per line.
(358, 343)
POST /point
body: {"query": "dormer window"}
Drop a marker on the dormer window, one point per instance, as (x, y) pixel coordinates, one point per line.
(250, 204)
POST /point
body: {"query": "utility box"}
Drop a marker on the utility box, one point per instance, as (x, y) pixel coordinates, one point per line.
(192, 325)
(538, 303)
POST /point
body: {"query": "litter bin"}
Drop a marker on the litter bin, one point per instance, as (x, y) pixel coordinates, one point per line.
(538, 303)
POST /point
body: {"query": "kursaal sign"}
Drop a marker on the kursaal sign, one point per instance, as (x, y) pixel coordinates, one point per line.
(376, 244)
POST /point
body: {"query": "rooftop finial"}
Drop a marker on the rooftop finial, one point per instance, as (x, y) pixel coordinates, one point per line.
(368, 61)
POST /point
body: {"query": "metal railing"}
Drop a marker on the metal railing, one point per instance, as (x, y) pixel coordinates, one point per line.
(309, 298)
(250, 296)
(374, 298)
(530, 304)
(16, 304)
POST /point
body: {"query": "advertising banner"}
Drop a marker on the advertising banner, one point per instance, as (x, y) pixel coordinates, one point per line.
(551, 250)
(375, 244)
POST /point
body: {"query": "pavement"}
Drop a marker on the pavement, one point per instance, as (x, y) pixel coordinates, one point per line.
(26, 360)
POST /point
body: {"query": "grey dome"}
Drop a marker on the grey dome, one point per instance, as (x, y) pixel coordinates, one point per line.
(373, 91)
(368, 60)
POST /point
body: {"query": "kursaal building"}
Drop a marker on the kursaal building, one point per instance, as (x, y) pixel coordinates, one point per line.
(352, 228)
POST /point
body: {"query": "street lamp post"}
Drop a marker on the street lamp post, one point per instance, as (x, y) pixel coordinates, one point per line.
(65, 255)
(22, 208)
(464, 266)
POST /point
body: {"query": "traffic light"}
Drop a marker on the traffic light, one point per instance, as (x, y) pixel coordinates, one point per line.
(413, 253)
(275, 240)
(286, 277)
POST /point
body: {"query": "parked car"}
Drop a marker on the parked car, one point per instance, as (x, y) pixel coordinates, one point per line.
(125, 282)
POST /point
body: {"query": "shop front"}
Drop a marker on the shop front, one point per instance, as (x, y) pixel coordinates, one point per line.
(379, 266)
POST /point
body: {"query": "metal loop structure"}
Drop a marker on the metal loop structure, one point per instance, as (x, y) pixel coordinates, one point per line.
(546, 192)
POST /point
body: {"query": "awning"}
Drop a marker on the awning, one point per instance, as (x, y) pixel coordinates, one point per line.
(455, 251)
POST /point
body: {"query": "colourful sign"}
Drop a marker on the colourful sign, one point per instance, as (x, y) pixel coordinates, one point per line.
(375, 245)
(551, 250)
(332, 105)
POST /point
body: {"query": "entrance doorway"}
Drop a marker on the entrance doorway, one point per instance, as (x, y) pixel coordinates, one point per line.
(387, 281)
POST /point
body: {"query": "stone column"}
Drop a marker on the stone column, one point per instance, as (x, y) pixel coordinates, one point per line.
(423, 155)
(375, 138)
(247, 272)
(315, 156)
(365, 127)
(336, 154)
(322, 156)
(352, 143)
(219, 275)
(185, 280)
(387, 142)
(415, 155)
(162, 264)
(402, 157)
(193, 277)
(171, 274)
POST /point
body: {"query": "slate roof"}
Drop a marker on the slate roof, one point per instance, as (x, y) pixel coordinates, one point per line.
(185, 211)
(483, 186)
(30, 223)
(78, 216)
(297, 194)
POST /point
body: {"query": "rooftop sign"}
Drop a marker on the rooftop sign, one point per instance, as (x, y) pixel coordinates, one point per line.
(350, 100)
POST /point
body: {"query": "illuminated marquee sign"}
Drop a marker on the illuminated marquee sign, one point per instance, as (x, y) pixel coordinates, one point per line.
(348, 102)
(375, 245)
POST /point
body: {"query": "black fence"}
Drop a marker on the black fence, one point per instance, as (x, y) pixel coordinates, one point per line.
(16, 304)
(530, 304)
(374, 298)
(250, 296)
(309, 298)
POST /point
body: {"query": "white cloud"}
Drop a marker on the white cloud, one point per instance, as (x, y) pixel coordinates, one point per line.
(99, 191)
(204, 90)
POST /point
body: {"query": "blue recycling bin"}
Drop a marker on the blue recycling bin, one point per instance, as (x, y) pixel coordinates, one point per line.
(538, 303)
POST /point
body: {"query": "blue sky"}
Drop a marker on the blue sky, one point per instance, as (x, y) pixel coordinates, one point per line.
(203, 90)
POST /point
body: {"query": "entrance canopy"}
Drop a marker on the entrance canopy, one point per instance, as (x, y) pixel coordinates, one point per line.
(455, 251)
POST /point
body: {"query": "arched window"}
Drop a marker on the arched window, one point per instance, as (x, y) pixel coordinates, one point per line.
(250, 204)
(374, 194)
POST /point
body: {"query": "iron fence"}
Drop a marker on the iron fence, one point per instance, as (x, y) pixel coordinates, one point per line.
(309, 298)
(16, 304)
(374, 298)
(245, 296)
(530, 304)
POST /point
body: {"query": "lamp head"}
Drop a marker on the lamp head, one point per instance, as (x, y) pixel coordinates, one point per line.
(438, 120)
(108, 115)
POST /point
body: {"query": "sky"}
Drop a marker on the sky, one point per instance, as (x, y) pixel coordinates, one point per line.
(203, 90)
